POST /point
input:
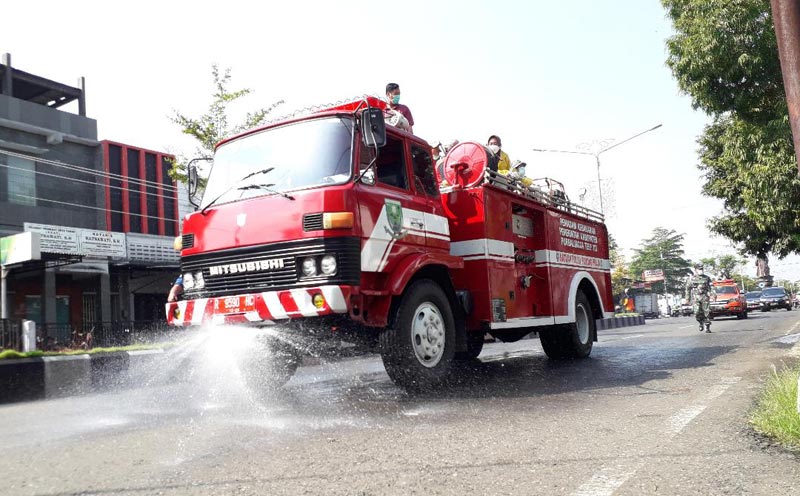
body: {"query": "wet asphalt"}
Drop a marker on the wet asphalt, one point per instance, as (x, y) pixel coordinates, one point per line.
(656, 409)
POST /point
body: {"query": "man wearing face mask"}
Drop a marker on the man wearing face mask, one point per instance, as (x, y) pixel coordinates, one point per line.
(698, 289)
(504, 163)
(393, 98)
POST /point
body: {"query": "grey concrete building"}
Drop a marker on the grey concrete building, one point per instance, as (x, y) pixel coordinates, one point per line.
(56, 178)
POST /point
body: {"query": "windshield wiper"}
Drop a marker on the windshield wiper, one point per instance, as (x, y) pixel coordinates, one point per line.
(267, 188)
(248, 176)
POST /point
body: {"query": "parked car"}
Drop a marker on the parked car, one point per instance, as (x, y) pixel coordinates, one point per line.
(753, 300)
(728, 300)
(776, 297)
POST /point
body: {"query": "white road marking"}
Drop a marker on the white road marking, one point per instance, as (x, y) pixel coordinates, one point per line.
(793, 328)
(608, 479)
(685, 327)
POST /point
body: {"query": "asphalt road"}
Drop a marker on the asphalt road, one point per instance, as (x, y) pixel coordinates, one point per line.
(657, 409)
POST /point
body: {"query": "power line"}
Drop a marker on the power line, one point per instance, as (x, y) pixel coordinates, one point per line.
(93, 183)
(147, 216)
(85, 170)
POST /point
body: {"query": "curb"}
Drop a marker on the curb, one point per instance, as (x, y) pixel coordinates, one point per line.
(617, 322)
(29, 379)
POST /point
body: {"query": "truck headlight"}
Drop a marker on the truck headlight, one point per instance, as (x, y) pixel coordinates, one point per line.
(328, 265)
(188, 281)
(199, 282)
(309, 267)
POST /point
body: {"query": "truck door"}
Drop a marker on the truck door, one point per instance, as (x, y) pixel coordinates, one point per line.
(437, 228)
(392, 216)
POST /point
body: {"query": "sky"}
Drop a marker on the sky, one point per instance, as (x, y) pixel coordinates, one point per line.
(541, 74)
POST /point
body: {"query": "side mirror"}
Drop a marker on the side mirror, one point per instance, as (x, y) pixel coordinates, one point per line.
(373, 127)
(192, 180)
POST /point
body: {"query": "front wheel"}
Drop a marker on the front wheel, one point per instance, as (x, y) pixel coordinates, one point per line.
(571, 340)
(418, 350)
(474, 346)
(266, 367)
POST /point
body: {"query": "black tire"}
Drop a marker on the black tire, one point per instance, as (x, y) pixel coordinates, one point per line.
(419, 348)
(571, 340)
(742, 315)
(268, 366)
(789, 308)
(474, 346)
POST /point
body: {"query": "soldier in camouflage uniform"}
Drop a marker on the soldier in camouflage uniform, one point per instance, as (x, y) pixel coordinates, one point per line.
(698, 289)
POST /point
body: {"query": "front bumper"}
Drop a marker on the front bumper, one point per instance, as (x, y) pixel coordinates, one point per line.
(727, 309)
(775, 304)
(260, 308)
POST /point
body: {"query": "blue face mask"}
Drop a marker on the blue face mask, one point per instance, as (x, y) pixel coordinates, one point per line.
(395, 99)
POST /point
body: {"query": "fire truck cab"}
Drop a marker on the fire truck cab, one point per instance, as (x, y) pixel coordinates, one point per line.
(334, 223)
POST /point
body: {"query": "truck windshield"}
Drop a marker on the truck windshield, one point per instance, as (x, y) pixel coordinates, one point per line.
(725, 289)
(301, 155)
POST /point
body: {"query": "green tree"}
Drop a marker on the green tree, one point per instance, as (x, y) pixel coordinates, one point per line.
(620, 276)
(727, 265)
(213, 126)
(663, 250)
(724, 56)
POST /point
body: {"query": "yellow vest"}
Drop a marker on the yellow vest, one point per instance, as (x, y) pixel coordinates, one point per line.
(504, 164)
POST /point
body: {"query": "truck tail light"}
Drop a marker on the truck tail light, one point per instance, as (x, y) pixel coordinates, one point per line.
(337, 220)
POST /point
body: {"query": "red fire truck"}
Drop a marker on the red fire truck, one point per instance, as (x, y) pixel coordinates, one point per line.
(334, 223)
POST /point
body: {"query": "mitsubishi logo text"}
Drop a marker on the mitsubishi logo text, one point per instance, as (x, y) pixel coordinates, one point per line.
(238, 268)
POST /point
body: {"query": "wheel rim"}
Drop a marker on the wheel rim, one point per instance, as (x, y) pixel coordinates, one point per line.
(427, 334)
(582, 324)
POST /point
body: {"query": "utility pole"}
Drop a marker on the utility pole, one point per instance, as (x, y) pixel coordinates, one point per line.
(786, 16)
(604, 147)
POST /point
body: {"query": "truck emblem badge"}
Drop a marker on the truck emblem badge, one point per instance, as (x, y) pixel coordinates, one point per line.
(394, 214)
(244, 267)
(241, 219)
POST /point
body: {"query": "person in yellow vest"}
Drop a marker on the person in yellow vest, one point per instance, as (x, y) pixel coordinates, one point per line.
(495, 145)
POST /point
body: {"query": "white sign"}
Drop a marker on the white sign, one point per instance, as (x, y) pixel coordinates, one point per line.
(56, 239)
(77, 241)
(653, 275)
(19, 248)
(102, 243)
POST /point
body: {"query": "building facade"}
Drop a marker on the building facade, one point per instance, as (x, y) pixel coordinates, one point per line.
(107, 212)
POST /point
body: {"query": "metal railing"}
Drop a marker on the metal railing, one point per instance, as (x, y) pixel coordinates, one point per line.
(545, 191)
(10, 334)
(102, 334)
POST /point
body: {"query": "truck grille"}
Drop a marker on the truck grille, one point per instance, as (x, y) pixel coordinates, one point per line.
(282, 260)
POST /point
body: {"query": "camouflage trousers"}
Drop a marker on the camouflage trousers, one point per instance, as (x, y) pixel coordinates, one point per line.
(702, 311)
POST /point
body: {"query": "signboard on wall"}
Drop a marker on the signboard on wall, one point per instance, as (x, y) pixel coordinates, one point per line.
(102, 243)
(77, 241)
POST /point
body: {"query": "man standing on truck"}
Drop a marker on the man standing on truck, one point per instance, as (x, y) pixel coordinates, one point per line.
(393, 98)
(698, 288)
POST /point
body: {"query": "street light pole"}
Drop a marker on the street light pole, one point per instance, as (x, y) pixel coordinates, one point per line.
(596, 156)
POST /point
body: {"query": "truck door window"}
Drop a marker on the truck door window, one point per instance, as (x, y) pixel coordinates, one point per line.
(424, 176)
(391, 164)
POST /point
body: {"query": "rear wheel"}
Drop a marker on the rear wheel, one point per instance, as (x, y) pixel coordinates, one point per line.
(571, 340)
(418, 350)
